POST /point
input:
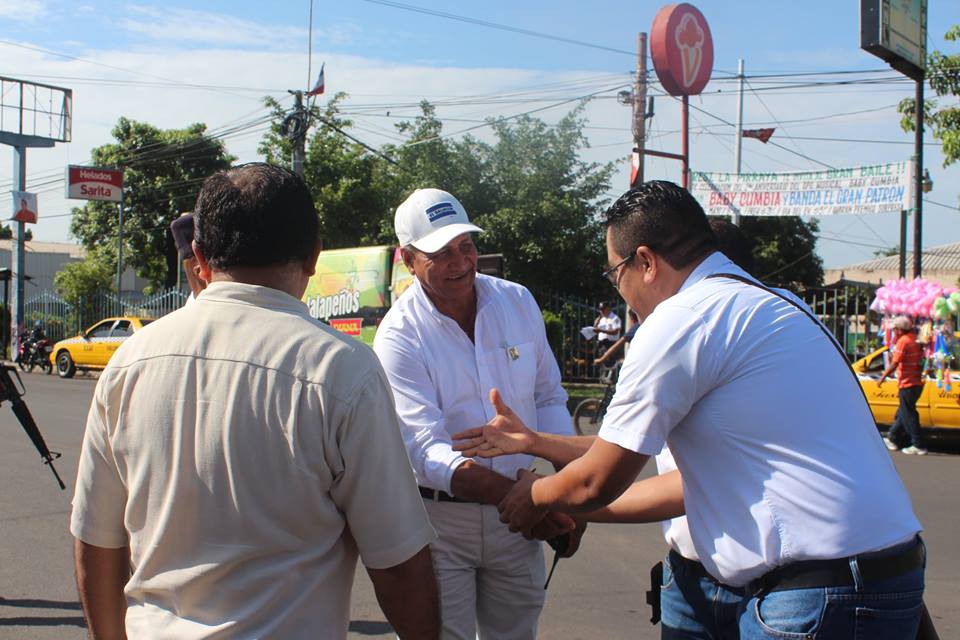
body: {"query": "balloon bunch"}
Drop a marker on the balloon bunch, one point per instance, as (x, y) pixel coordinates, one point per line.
(946, 306)
(912, 298)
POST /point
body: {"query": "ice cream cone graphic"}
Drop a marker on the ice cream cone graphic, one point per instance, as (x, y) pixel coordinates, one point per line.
(690, 39)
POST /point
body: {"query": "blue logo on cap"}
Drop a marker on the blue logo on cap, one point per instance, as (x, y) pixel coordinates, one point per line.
(440, 210)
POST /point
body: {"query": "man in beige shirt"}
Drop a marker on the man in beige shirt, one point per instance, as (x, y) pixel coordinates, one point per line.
(239, 455)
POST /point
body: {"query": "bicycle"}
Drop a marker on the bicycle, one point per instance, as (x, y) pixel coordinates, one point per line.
(588, 414)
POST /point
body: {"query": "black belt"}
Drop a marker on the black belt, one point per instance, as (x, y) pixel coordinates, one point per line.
(696, 569)
(439, 496)
(809, 574)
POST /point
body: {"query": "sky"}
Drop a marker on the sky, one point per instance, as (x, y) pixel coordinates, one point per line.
(175, 63)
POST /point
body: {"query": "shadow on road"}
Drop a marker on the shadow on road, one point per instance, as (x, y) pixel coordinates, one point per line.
(370, 627)
(39, 604)
(40, 620)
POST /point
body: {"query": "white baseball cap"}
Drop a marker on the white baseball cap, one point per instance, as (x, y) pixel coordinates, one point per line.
(429, 219)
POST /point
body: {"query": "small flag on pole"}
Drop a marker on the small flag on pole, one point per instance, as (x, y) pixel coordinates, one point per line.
(318, 87)
(760, 134)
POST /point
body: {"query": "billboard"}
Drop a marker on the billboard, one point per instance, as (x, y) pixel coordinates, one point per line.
(896, 32)
(94, 183)
(24, 207)
(351, 289)
(883, 188)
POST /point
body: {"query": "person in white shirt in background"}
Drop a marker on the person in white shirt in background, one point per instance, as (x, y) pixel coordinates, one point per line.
(239, 455)
(449, 339)
(182, 231)
(607, 325)
(824, 542)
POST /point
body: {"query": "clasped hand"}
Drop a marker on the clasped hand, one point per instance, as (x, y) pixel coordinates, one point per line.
(506, 434)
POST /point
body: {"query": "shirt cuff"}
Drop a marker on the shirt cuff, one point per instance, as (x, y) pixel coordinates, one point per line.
(439, 464)
(409, 547)
(555, 419)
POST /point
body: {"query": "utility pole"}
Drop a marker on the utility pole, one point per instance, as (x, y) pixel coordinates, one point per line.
(736, 212)
(294, 128)
(918, 183)
(299, 142)
(639, 108)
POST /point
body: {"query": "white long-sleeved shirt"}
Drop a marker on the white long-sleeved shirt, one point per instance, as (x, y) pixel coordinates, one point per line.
(441, 380)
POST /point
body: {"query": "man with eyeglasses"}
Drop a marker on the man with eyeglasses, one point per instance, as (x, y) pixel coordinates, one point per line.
(450, 338)
(791, 497)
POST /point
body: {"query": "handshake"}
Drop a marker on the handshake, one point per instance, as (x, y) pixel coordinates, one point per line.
(506, 434)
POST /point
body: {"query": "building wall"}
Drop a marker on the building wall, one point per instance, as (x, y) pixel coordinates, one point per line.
(879, 276)
(42, 261)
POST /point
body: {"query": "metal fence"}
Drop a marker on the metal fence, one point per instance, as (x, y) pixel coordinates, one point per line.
(61, 319)
(844, 308)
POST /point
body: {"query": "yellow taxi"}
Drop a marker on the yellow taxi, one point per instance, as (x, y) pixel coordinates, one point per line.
(93, 348)
(938, 407)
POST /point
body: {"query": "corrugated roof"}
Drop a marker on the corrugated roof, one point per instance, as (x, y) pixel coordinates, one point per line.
(942, 258)
(33, 246)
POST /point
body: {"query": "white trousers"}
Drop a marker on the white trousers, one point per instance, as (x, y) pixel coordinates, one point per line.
(490, 579)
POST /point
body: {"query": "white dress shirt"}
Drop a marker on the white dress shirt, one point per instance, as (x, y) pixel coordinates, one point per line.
(441, 379)
(780, 456)
(610, 322)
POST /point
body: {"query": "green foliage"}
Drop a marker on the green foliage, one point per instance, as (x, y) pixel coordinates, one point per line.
(889, 251)
(163, 172)
(554, 327)
(943, 74)
(79, 280)
(6, 233)
(538, 201)
(784, 250)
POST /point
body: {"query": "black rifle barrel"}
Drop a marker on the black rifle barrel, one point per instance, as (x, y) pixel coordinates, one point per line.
(9, 391)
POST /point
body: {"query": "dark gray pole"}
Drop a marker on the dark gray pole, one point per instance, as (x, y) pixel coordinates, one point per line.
(120, 249)
(918, 185)
(16, 253)
(903, 244)
(299, 150)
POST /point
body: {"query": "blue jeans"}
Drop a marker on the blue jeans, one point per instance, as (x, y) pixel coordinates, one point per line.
(908, 418)
(884, 610)
(694, 605)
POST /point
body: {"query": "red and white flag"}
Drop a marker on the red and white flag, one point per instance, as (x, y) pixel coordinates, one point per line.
(318, 87)
(760, 134)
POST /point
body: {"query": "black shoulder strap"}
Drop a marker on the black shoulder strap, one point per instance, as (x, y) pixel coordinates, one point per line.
(806, 312)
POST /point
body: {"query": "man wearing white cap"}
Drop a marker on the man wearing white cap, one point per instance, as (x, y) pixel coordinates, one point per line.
(452, 337)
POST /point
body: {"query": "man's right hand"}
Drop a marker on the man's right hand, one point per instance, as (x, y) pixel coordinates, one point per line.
(504, 435)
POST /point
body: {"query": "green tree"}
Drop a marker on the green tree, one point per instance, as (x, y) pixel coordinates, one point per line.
(537, 200)
(163, 171)
(343, 176)
(784, 250)
(6, 233)
(943, 74)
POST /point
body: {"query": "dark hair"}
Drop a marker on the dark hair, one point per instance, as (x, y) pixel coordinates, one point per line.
(255, 215)
(733, 242)
(663, 216)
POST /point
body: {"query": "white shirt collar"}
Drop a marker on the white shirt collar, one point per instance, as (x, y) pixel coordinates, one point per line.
(716, 262)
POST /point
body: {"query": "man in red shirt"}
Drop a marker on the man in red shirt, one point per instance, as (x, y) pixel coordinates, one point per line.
(907, 358)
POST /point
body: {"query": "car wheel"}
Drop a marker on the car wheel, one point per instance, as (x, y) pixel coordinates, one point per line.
(65, 366)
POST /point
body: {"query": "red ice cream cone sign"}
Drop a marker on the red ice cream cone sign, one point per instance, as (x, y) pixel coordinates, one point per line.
(682, 49)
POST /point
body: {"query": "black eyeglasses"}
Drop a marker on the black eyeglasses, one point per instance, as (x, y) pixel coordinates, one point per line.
(611, 275)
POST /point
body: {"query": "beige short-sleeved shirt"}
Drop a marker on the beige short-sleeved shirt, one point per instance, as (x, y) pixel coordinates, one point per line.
(247, 454)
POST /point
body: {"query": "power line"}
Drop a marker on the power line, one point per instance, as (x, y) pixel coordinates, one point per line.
(498, 26)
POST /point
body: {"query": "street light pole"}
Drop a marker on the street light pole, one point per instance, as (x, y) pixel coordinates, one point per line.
(918, 184)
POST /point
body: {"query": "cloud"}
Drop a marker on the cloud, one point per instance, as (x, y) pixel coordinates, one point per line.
(25, 10)
(213, 29)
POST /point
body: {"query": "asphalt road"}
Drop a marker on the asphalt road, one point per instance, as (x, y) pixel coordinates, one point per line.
(597, 594)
